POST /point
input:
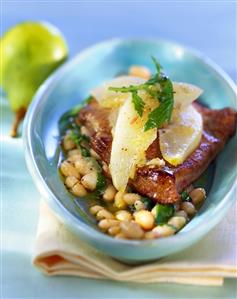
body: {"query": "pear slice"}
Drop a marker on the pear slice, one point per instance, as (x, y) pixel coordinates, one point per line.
(184, 93)
(180, 138)
(129, 143)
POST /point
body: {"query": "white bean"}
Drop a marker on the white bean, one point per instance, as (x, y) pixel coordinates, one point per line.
(163, 231)
(123, 215)
(177, 221)
(89, 180)
(189, 208)
(109, 193)
(145, 219)
(131, 230)
(68, 169)
(118, 200)
(197, 195)
(71, 181)
(78, 190)
(130, 198)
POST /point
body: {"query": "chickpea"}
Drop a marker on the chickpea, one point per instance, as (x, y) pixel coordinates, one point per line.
(67, 169)
(123, 215)
(109, 193)
(89, 180)
(145, 219)
(78, 190)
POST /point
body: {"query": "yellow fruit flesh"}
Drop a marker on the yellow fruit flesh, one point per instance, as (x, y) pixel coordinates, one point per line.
(182, 136)
(129, 144)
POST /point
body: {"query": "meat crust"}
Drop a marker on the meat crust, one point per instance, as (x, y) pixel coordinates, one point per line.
(163, 184)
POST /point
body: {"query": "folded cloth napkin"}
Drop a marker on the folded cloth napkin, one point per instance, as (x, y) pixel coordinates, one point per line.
(59, 252)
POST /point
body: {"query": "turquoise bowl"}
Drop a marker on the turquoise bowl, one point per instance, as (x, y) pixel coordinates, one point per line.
(71, 84)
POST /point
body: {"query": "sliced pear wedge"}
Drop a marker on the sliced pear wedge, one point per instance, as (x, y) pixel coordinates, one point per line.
(185, 94)
(181, 136)
(129, 143)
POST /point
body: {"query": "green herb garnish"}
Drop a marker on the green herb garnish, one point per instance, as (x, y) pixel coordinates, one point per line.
(148, 203)
(185, 196)
(159, 87)
(163, 213)
(79, 139)
(101, 182)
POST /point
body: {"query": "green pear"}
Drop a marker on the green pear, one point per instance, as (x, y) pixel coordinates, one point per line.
(30, 52)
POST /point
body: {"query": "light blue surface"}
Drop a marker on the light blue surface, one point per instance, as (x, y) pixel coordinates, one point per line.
(209, 27)
(71, 84)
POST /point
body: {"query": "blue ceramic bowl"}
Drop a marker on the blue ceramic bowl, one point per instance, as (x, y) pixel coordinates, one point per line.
(71, 84)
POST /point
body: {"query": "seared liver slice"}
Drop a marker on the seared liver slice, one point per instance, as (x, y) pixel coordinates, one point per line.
(164, 184)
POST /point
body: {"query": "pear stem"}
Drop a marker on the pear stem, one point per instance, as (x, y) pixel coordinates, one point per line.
(18, 118)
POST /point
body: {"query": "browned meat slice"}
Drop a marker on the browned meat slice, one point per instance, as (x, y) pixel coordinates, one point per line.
(164, 184)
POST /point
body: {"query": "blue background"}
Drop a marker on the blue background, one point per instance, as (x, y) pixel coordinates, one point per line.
(208, 26)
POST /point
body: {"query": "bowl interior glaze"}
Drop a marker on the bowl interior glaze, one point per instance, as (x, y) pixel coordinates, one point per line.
(71, 84)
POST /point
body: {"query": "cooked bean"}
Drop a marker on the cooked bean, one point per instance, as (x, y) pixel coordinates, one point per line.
(177, 221)
(104, 214)
(68, 143)
(189, 208)
(95, 209)
(109, 193)
(130, 198)
(70, 181)
(145, 219)
(139, 205)
(94, 154)
(149, 235)
(123, 215)
(118, 200)
(68, 169)
(120, 236)
(89, 180)
(163, 231)
(181, 213)
(197, 195)
(131, 230)
(74, 158)
(140, 71)
(74, 152)
(107, 223)
(85, 131)
(114, 230)
(83, 166)
(78, 190)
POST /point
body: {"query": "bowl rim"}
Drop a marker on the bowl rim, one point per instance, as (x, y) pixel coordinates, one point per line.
(78, 226)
